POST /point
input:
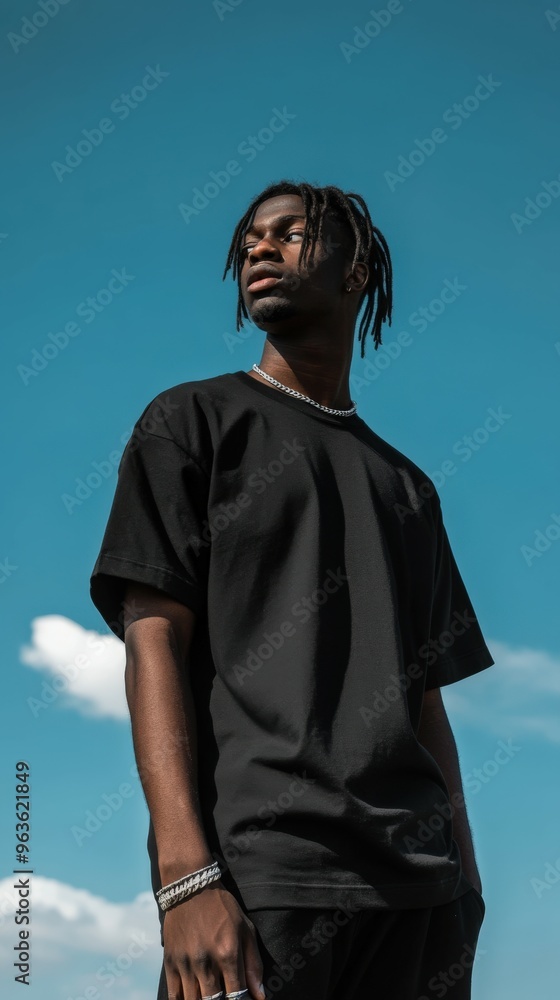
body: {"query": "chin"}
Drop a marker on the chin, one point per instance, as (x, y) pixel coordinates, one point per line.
(271, 310)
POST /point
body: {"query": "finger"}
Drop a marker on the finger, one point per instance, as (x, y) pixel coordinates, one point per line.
(253, 963)
(210, 985)
(233, 972)
(189, 986)
(174, 986)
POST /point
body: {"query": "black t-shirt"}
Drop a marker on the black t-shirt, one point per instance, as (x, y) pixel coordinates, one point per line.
(327, 599)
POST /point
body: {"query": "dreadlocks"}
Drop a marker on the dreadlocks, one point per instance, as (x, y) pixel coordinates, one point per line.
(369, 246)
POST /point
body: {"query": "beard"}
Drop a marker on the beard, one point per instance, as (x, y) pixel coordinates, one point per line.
(271, 309)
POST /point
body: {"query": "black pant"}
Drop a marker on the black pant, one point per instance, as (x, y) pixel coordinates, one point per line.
(348, 954)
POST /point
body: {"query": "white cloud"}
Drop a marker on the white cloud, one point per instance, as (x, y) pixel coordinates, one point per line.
(80, 940)
(85, 669)
(70, 918)
(519, 694)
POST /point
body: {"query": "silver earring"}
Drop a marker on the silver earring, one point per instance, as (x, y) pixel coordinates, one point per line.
(348, 288)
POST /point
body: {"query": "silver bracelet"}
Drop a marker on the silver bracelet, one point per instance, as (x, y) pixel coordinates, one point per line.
(175, 892)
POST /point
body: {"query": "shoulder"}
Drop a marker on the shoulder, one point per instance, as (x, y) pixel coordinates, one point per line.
(186, 413)
(186, 397)
(408, 485)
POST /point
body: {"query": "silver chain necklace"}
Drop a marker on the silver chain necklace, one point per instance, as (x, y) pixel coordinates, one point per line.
(293, 392)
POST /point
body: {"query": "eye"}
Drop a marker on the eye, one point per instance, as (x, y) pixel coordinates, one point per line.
(248, 246)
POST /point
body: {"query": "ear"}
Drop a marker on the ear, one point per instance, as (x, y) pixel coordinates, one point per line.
(358, 278)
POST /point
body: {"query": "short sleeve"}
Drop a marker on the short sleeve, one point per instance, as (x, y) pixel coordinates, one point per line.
(155, 533)
(456, 647)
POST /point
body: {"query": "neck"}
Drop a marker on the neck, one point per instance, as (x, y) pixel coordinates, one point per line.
(317, 372)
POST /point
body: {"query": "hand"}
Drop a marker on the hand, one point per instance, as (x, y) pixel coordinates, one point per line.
(209, 945)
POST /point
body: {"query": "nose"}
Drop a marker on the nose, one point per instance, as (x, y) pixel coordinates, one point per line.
(263, 250)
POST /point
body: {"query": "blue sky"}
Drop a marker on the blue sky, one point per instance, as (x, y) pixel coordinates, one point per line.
(476, 206)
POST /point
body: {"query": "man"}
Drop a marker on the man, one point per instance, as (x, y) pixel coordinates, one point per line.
(291, 606)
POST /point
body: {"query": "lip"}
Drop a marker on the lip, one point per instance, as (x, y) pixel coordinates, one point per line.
(260, 283)
(261, 273)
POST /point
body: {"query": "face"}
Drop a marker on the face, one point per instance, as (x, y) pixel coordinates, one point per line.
(273, 289)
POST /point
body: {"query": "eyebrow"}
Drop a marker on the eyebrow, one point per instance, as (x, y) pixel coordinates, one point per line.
(281, 220)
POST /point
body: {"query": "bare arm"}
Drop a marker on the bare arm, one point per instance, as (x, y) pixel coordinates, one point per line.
(209, 942)
(436, 735)
(164, 727)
